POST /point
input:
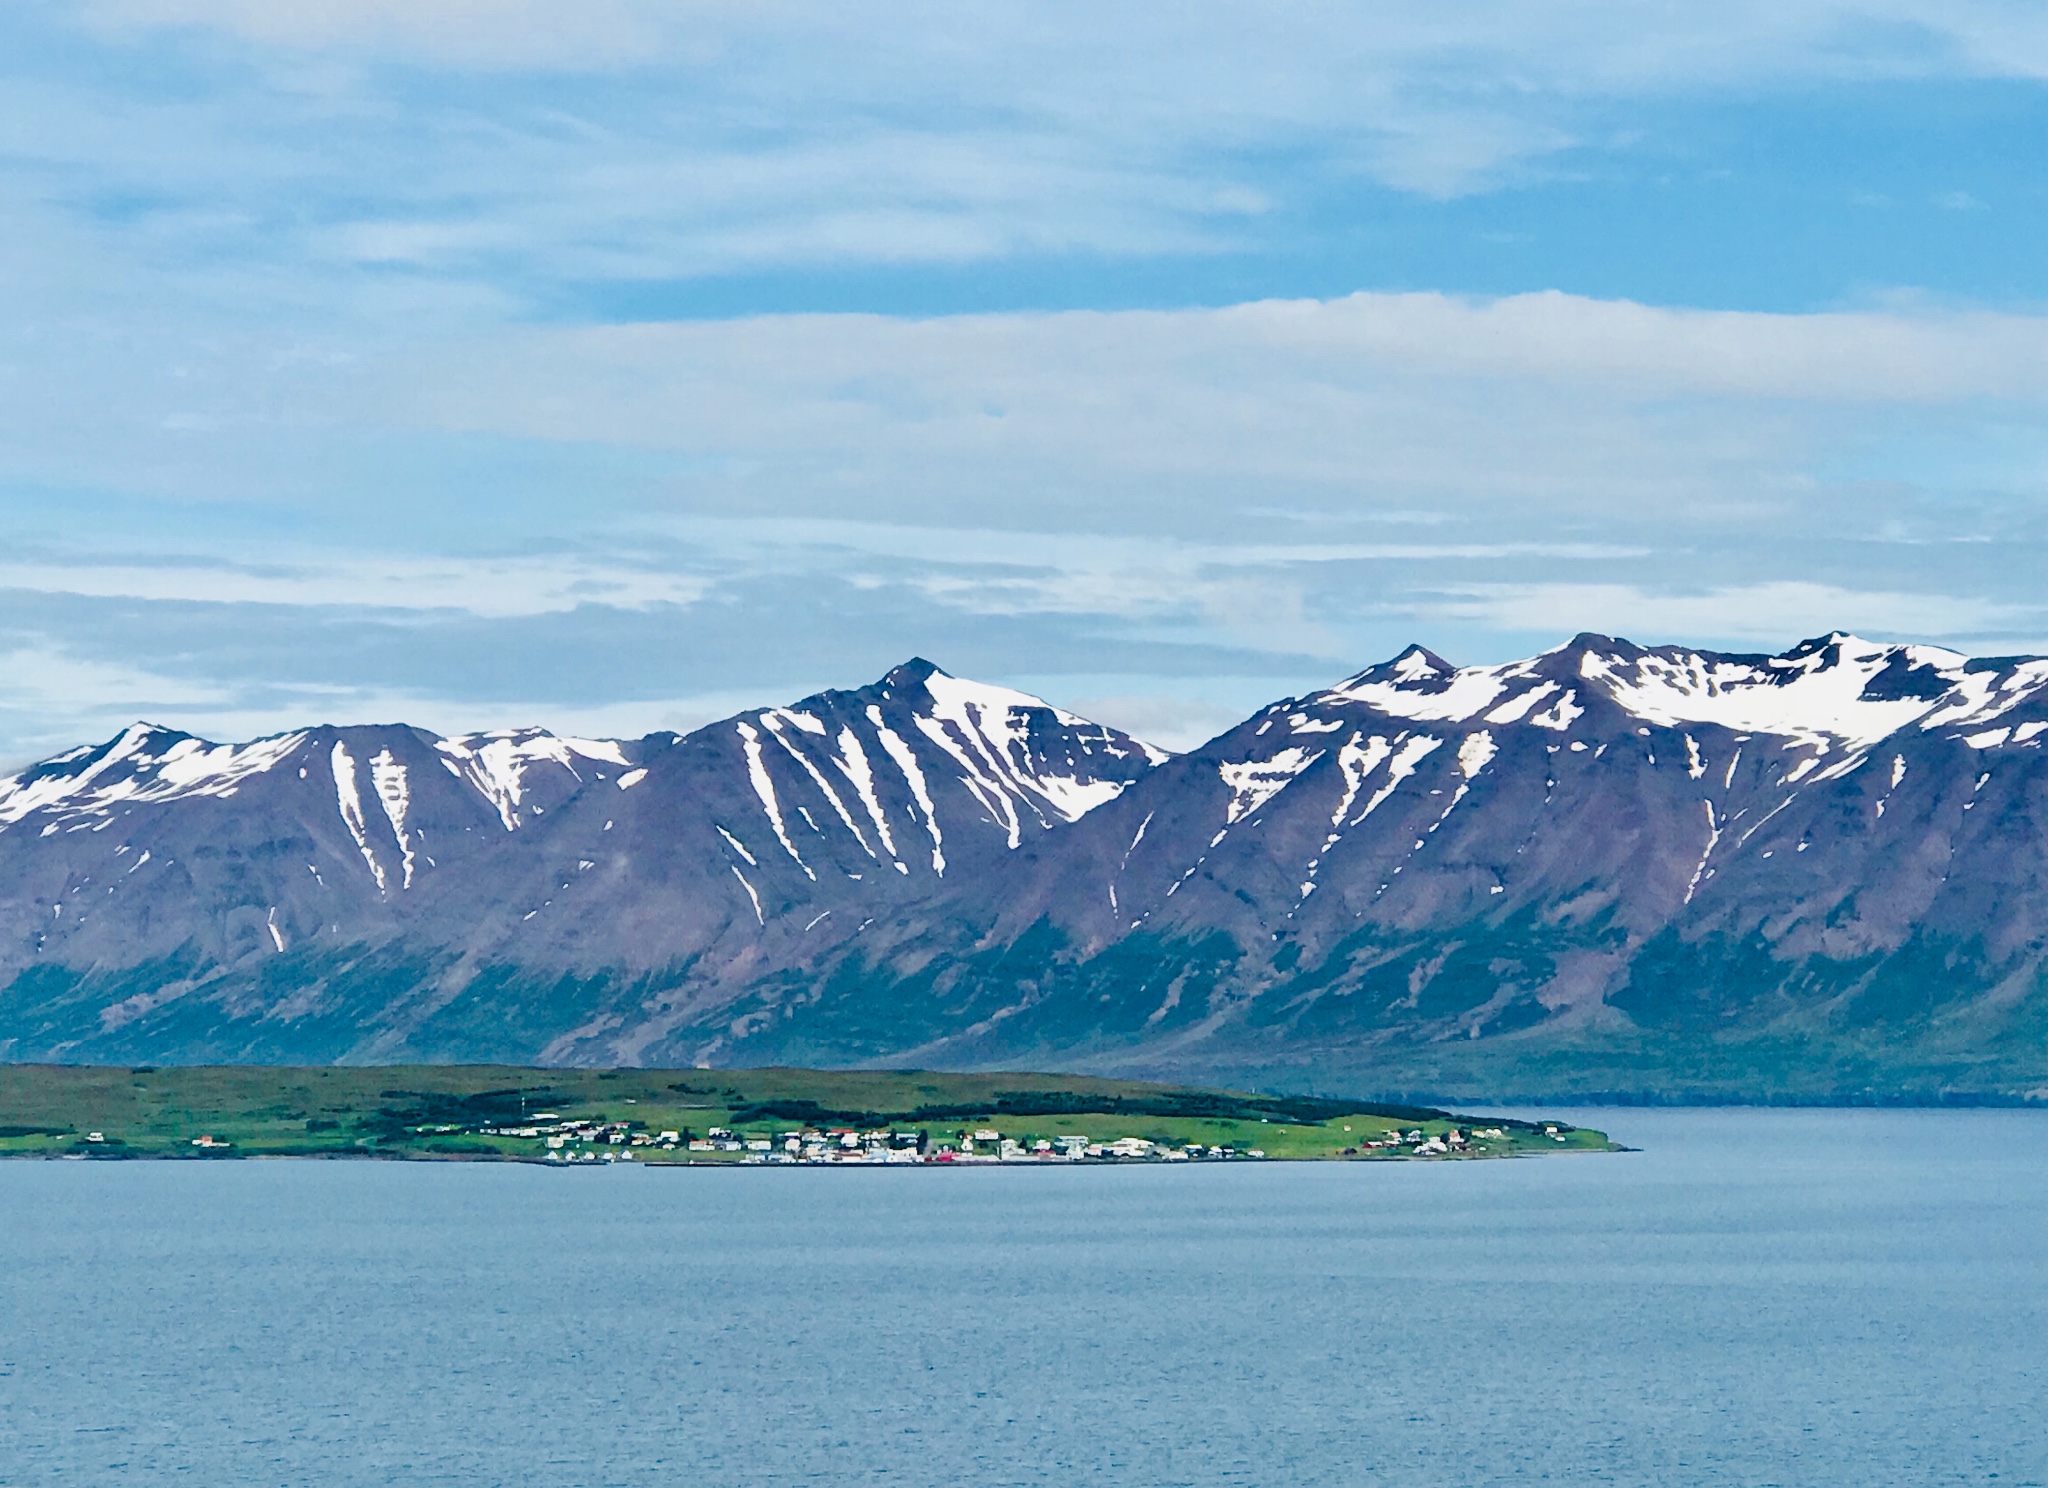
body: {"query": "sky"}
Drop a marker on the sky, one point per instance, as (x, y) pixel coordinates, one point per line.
(615, 366)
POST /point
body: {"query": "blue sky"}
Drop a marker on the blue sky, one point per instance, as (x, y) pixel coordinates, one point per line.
(613, 366)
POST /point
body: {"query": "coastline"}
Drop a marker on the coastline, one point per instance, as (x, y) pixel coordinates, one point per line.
(718, 1118)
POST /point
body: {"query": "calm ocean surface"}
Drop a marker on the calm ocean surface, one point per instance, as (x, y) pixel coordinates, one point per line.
(1758, 1297)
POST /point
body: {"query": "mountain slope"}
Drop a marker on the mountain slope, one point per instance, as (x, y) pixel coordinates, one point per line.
(1603, 870)
(1658, 873)
(366, 889)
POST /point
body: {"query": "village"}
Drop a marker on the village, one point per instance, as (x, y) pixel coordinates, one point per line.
(572, 1140)
(915, 1122)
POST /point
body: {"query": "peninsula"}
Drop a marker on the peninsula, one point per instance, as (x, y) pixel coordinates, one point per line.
(700, 1116)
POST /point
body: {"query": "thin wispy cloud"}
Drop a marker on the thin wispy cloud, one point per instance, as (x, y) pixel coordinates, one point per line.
(650, 140)
(1761, 614)
(386, 582)
(484, 361)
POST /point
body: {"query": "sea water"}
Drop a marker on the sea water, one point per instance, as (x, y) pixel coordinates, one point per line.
(1754, 1298)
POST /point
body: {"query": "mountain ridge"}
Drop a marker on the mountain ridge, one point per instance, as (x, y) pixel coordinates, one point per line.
(1650, 872)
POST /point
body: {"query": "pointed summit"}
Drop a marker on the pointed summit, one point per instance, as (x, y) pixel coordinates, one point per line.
(1826, 650)
(1415, 667)
(915, 672)
(1418, 662)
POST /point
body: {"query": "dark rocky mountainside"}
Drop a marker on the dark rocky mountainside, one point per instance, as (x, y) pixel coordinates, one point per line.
(381, 893)
(1607, 870)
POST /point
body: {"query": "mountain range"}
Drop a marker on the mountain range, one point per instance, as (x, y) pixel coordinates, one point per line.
(1606, 872)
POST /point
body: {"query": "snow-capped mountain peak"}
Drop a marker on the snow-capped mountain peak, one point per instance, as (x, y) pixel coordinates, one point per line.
(1418, 684)
(1837, 690)
(921, 754)
(144, 762)
(1029, 747)
(1838, 846)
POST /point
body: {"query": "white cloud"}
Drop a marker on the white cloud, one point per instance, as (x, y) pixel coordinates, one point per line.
(1871, 356)
(1235, 483)
(491, 33)
(1174, 722)
(1595, 43)
(1538, 413)
(1014, 552)
(292, 294)
(482, 586)
(52, 699)
(1771, 615)
(48, 678)
(1434, 99)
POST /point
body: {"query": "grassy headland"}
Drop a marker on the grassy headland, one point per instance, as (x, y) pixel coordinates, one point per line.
(715, 1116)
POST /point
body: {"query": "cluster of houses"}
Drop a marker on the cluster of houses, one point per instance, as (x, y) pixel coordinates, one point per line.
(612, 1141)
(1422, 1144)
(571, 1140)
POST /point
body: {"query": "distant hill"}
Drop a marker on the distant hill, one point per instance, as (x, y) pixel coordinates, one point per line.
(1606, 871)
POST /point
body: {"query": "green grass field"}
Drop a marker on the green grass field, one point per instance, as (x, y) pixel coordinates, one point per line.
(454, 1112)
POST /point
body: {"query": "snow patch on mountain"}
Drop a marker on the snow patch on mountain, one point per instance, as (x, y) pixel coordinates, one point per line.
(1420, 688)
(1561, 714)
(348, 799)
(737, 846)
(1982, 696)
(913, 776)
(144, 763)
(1517, 708)
(753, 898)
(825, 787)
(989, 731)
(1825, 694)
(852, 762)
(809, 723)
(1252, 783)
(1836, 694)
(499, 763)
(387, 776)
(1476, 752)
(1411, 753)
(764, 789)
(1356, 762)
